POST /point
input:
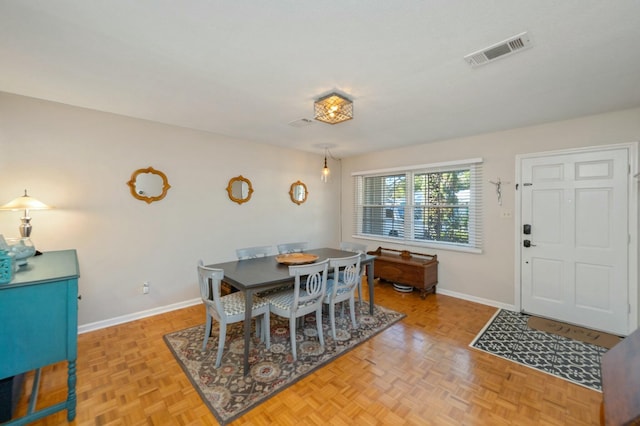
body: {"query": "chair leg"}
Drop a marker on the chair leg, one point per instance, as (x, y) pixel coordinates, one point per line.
(292, 332)
(266, 329)
(207, 331)
(352, 308)
(223, 337)
(360, 292)
(332, 319)
(319, 326)
(259, 329)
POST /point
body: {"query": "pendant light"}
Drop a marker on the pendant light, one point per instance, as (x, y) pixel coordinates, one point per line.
(325, 170)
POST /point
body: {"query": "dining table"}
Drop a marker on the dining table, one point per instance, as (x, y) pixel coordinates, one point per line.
(263, 273)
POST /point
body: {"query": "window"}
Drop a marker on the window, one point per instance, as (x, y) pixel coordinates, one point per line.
(433, 205)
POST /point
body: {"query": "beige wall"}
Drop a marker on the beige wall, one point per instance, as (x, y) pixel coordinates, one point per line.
(80, 161)
(489, 276)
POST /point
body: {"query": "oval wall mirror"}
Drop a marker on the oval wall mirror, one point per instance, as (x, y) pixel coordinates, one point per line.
(298, 192)
(240, 189)
(148, 185)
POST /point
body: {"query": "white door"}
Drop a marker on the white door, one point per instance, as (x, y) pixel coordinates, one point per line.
(576, 266)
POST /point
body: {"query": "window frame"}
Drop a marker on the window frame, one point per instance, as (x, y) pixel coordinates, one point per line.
(474, 224)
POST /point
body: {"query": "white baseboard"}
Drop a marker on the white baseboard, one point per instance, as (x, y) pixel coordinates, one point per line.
(477, 299)
(85, 328)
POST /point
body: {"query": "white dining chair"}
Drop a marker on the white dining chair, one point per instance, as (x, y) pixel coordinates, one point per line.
(355, 248)
(346, 273)
(292, 247)
(253, 252)
(302, 299)
(228, 309)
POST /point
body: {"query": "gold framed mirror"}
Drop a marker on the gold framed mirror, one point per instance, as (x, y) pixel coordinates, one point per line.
(149, 185)
(239, 189)
(298, 192)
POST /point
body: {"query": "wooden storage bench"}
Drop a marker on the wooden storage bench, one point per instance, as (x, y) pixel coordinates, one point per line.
(404, 267)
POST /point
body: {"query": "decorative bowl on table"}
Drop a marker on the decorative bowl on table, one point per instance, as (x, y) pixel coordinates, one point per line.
(21, 248)
(296, 258)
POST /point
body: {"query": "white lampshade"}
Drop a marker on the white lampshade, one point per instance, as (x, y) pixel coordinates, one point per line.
(25, 203)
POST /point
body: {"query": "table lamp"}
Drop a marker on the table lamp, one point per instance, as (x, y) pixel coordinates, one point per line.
(25, 203)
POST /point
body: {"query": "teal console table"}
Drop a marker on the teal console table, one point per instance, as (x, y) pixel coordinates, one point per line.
(39, 325)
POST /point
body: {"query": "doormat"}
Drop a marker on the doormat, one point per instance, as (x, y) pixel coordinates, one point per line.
(229, 394)
(507, 335)
(574, 332)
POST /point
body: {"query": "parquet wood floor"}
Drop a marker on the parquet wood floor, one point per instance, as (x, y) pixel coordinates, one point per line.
(420, 371)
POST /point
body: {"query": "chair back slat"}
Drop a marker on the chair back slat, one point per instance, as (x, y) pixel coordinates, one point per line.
(315, 283)
(210, 280)
(346, 273)
(292, 247)
(253, 252)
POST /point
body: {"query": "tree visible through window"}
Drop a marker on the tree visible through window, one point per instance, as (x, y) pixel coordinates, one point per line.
(439, 205)
(442, 206)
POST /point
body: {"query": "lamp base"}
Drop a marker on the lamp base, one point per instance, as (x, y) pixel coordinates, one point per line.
(25, 227)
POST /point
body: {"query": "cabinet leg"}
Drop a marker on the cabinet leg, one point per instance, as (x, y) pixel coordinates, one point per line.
(71, 385)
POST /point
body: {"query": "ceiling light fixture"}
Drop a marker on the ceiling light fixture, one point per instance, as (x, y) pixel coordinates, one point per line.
(333, 109)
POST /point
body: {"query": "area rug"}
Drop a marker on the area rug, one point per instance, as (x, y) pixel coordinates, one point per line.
(229, 394)
(574, 332)
(507, 335)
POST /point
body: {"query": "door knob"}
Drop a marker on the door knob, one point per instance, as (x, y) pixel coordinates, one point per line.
(527, 243)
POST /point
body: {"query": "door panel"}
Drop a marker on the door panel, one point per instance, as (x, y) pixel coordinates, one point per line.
(594, 224)
(547, 280)
(575, 269)
(547, 209)
(593, 286)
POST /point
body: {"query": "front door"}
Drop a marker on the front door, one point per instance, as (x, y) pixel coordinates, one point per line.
(575, 238)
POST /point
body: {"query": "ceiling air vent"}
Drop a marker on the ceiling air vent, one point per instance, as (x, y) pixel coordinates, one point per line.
(303, 122)
(504, 48)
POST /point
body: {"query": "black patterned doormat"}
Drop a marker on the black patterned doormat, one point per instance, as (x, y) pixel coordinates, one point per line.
(506, 335)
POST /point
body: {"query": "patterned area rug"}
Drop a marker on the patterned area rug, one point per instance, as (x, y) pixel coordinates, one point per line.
(508, 336)
(229, 394)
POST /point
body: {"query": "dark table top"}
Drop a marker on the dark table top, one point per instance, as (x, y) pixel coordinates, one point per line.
(265, 272)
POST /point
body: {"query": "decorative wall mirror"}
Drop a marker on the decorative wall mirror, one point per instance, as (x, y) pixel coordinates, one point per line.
(240, 189)
(149, 185)
(298, 192)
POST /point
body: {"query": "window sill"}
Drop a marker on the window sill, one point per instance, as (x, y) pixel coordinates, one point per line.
(400, 241)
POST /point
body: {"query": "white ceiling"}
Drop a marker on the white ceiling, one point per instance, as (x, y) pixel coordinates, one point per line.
(246, 68)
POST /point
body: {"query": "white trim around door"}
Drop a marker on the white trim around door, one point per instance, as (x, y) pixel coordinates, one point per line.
(567, 297)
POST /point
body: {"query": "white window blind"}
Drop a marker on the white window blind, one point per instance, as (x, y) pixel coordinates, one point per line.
(432, 205)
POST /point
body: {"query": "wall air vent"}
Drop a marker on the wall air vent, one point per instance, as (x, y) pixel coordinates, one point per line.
(504, 48)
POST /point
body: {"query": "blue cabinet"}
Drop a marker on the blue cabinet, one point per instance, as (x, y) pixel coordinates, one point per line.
(39, 323)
